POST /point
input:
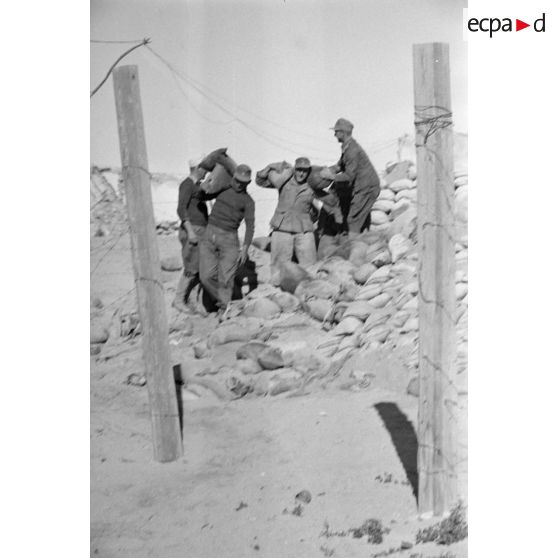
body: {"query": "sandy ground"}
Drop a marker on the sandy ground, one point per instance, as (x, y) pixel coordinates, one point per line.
(233, 492)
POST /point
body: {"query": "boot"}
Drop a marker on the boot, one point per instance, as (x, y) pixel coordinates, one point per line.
(179, 300)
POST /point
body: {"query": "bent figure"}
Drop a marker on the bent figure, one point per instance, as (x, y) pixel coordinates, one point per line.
(220, 252)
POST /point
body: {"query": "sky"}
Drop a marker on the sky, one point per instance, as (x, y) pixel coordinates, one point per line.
(268, 78)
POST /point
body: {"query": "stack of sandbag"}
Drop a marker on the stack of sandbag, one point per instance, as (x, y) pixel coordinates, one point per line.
(221, 169)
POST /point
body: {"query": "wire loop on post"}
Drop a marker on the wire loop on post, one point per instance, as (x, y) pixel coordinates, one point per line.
(435, 117)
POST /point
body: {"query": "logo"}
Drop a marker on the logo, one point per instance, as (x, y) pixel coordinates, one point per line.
(493, 25)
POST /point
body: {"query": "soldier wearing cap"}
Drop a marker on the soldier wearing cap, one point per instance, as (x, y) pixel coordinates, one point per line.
(291, 224)
(192, 212)
(220, 252)
(355, 168)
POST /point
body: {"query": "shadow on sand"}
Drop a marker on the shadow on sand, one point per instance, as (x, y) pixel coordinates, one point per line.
(404, 439)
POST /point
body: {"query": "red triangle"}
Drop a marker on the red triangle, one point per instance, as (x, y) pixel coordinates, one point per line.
(519, 25)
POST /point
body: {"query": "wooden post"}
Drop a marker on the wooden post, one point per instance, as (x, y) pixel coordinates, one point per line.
(165, 423)
(436, 278)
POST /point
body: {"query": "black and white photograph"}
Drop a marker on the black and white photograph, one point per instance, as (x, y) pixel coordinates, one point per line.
(278, 279)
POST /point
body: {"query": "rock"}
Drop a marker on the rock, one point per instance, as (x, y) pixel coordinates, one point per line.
(271, 358)
(318, 308)
(359, 309)
(398, 246)
(171, 263)
(290, 275)
(98, 334)
(378, 217)
(362, 273)
(347, 326)
(384, 205)
(413, 387)
(304, 496)
(249, 367)
(286, 301)
(251, 350)
(380, 301)
(316, 288)
(402, 184)
(261, 308)
(381, 259)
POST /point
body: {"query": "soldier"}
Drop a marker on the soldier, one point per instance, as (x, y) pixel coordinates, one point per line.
(220, 253)
(192, 212)
(355, 168)
(291, 224)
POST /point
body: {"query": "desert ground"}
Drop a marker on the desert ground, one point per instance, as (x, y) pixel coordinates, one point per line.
(314, 456)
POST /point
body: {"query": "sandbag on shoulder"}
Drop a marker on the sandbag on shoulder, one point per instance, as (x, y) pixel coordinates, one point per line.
(275, 175)
(221, 168)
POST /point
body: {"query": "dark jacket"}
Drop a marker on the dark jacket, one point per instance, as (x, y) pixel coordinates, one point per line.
(355, 167)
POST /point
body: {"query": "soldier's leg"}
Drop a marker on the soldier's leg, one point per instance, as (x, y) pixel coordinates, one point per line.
(229, 252)
(209, 263)
(282, 245)
(305, 248)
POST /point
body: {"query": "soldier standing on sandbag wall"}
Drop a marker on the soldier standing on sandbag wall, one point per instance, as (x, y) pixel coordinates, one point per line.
(355, 168)
(192, 212)
(220, 252)
(291, 224)
(329, 224)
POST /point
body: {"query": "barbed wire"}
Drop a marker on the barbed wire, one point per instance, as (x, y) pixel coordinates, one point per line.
(434, 122)
(115, 42)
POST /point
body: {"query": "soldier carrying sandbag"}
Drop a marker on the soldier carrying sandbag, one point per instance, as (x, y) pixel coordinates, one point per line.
(220, 252)
(291, 224)
(354, 167)
(192, 212)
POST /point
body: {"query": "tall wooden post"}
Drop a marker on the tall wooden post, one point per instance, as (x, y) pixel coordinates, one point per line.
(165, 424)
(436, 278)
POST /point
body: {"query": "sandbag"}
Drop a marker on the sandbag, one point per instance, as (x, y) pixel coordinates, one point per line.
(171, 263)
(369, 291)
(98, 334)
(381, 259)
(316, 288)
(377, 318)
(461, 289)
(362, 274)
(380, 301)
(315, 181)
(280, 174)
(402, 184)
(398, 246)
(248, 367)
(251, 350)
(261, 308)
(219, 156)
(385, 195)
(271, 358)
(290, 275)
(358, 253)
(406, 193)
(230, 333)
(378, 333)
(378, 217)
(404, 221)
(347, 326)
(381, 275)
(318, 308)
(286, 301)
(217, 180)
(262, 243)
(360, 309)
(383, 205)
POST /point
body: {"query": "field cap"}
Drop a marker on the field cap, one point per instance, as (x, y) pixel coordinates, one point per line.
(303, 163)
(344, 125)
(243, 173)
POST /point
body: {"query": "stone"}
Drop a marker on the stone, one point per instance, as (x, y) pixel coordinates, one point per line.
(171, 263)
(271, 358)
(251, 350)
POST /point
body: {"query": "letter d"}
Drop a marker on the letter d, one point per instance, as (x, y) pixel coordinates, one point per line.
(535, 25)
